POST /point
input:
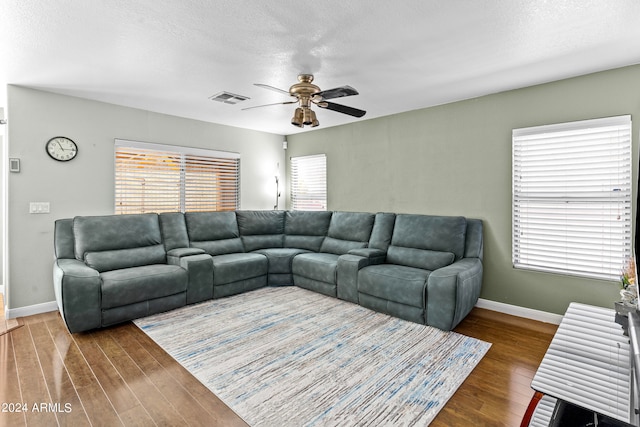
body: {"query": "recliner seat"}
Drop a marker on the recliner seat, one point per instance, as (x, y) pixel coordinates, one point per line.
(319, 271)
(234, 270)
(123, 260)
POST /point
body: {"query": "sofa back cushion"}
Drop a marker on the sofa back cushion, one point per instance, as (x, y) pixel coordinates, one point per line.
(348, 230)
(382, 230)
(419, 258)
(427, 242)
(306, 229)
(113, 242)
(214, 232)
(63, 244)
(474, 246)
(261, 229)
(174, 230)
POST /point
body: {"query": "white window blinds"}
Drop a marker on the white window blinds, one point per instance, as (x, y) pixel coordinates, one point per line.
(572, 197)
(309, 183)
(162, 178)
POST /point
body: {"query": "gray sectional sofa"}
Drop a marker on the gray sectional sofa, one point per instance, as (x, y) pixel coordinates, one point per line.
(114, 268)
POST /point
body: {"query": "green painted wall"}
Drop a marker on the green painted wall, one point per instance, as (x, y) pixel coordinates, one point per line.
(455, 159)
(85, 186)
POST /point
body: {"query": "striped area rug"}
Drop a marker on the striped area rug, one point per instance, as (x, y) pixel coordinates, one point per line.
(286, 356)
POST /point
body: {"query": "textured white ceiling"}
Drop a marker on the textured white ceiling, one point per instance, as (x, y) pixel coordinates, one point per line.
(170, 56)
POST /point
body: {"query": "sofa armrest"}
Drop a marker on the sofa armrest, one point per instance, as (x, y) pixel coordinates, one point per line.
(452, 292)
(348, 266)
(200, 272)
(78, 290)
(376, 256)
(174, 255)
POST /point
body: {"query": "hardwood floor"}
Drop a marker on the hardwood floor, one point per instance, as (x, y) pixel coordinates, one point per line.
(7, 325)
(118, 376)
(499, 389)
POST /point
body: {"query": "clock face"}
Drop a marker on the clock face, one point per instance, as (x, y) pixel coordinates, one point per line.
(62, 149)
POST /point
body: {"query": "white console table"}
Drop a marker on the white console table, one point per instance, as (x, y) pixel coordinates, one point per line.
(588, 364)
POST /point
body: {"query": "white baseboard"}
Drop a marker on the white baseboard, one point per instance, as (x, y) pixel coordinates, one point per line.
(514, 310)
(30, 310)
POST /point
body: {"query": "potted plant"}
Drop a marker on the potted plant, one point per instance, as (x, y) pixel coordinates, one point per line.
(628, 293)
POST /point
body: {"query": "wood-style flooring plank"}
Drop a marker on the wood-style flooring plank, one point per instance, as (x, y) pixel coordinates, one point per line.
(10, 394)
(94, 401)
(44, 317)
(31, 380)
(125, 403)
(64, 400)
(142, 387)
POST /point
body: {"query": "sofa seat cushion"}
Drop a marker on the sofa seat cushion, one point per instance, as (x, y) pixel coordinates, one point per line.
(235, 267)
(317, 266)
(398, 283)
(280, 260)
(132, 285)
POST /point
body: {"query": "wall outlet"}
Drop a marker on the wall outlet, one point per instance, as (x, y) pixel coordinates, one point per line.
(39, 207)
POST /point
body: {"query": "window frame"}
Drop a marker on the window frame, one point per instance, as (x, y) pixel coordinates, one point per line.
(582, 257)
(305, 200)
(189, 158)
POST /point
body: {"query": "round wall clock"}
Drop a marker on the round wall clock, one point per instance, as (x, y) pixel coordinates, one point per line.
(61, 148)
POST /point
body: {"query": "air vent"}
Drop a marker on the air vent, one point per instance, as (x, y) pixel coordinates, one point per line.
(228, 97)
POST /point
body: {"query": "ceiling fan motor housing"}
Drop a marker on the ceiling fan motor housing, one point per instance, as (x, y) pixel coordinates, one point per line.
(304, 90)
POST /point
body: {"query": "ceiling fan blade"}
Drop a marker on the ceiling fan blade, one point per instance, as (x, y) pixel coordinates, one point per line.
(337, 92)
(342, 109)
(269, 105)
(286, 92)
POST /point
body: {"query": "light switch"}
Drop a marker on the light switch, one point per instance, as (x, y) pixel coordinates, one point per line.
(39, 207)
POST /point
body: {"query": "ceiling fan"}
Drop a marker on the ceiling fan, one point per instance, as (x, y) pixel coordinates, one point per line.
(307, 94)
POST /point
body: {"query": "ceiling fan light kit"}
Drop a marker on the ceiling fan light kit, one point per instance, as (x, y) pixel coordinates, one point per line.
(304, 116)
(306, 94)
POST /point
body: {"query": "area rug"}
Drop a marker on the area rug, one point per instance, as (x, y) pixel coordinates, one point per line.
(286, 356)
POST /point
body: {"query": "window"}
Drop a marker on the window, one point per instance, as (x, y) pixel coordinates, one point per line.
(572, 197)
(309, 183)
(164, 178)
